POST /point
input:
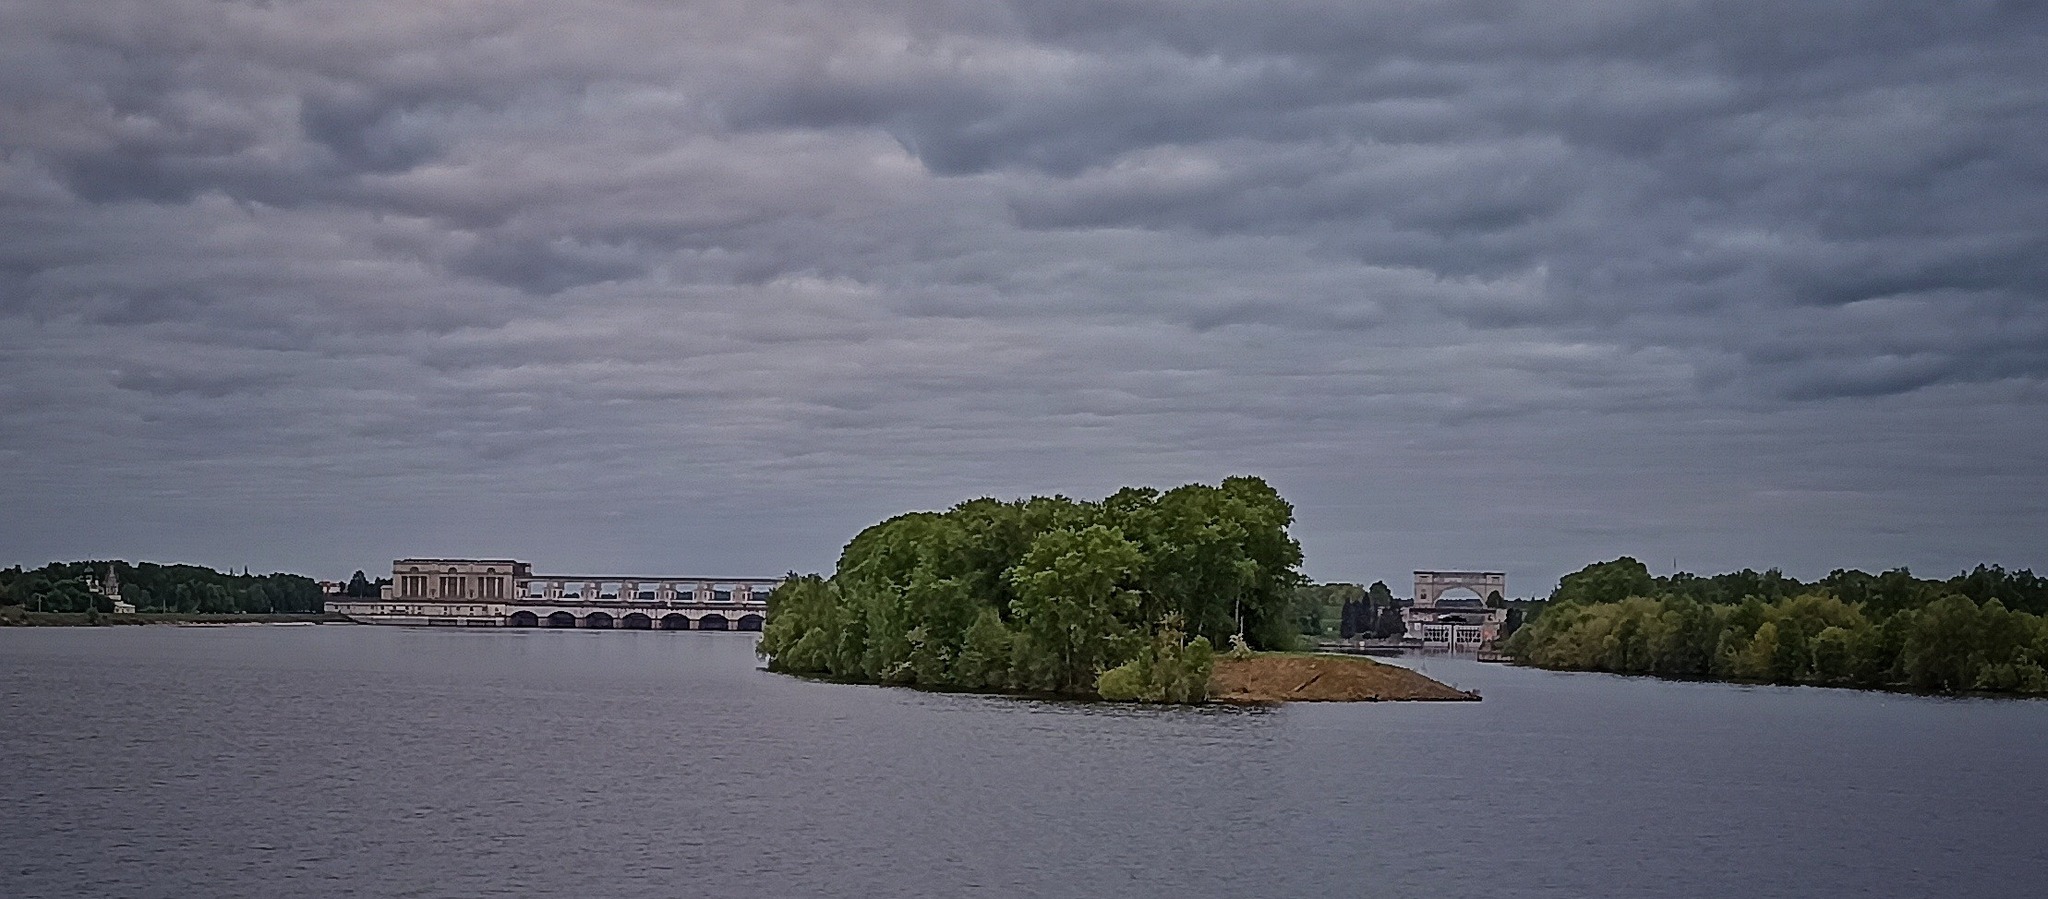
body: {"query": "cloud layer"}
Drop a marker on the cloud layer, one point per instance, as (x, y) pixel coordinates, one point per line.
(706, 286)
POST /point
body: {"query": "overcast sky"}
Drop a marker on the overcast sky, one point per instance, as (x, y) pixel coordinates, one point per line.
(702, 288)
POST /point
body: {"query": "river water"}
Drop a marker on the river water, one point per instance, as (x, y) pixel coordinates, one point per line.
(364, 761)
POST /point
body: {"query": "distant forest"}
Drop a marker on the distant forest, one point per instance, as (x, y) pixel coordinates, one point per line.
(1985, 630)
(64, 587)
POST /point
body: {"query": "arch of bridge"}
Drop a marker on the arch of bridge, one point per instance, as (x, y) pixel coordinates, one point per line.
(637, 619)
(1430, 586)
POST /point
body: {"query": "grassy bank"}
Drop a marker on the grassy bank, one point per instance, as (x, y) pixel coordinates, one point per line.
(1318, 677)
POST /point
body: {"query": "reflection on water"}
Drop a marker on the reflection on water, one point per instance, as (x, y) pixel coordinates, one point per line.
(330, 761)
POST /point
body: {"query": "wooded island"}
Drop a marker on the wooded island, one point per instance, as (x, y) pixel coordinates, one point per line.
(1126, 598)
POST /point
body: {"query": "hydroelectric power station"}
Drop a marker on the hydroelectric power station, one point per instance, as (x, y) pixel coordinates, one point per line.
(506, 593)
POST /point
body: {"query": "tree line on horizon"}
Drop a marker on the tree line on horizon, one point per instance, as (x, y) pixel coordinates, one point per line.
(151, 587)
(1984, 630)
(1125, 598)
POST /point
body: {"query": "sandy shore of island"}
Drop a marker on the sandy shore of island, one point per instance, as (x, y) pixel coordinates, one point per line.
(1313, 677)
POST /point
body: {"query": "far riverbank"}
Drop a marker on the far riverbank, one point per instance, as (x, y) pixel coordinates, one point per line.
(16, 616)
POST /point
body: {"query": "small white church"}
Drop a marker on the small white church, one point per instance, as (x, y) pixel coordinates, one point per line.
(111, 589)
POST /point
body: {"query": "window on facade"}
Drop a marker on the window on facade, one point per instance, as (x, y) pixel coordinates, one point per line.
(416, 585)
(494, 588)
(451, 586)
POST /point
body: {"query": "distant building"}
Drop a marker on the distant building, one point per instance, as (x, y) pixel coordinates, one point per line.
(506, 593)
(1451, 609)
(111, 589)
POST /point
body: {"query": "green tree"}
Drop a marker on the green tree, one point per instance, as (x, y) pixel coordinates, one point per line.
(1318, 606)
(984, 660)
(1072, 600)
(1939, 651)
(359, 585)
(1757, 661)
(1170, 669)
(801, 628)
(1605, 582)
(1833, 655)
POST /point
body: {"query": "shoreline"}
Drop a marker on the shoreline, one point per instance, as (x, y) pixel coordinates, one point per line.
(1268, 678)
(1265, 679)
(1889, 690)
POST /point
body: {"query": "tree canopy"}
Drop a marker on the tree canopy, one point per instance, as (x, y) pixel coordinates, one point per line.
(1049, 594)
(1982, 630)
(63, 587)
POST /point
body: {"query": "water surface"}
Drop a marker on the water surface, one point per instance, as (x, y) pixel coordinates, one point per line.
(362, 761)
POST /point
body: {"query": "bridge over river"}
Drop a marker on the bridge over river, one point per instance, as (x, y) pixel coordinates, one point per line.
(506, 593)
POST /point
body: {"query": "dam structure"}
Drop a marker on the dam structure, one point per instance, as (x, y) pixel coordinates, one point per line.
(1458, 610)
(506, 593)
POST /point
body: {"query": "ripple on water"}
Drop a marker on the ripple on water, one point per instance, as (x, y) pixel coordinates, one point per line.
(152, 762)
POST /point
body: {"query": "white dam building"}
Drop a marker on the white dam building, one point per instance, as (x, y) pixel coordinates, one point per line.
(1457, 609)
(506, 593)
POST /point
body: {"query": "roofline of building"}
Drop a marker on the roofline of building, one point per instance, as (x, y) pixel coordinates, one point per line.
(426, 560)
(604, 578)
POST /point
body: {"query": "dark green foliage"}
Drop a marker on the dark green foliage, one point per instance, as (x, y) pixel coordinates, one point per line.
(1849, 629)
(63, 587)
(1513, 621)
(1372, 612)
(1943, 642)
(1734, 587)
(2020, 591)
(1073, 602)
(984, 660)
(360, 586)
(1379, 594)
(1171, 669)
(1046, 594)
(1605, 582)
(1327, 608)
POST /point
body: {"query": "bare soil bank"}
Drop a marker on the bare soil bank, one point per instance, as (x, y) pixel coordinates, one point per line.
(1304, 677)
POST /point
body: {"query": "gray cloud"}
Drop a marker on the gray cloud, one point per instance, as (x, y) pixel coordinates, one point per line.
(712, 285)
